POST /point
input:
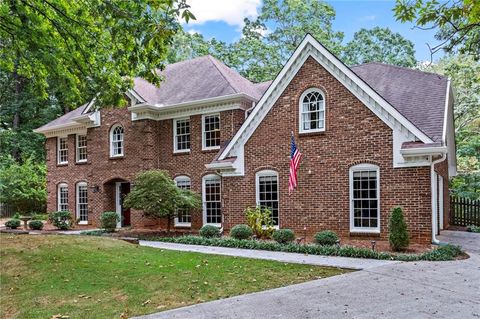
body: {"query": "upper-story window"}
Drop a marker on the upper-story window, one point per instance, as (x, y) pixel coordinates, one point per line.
(81, 151)
(267, 193)
(62, 150)
(181, 135)
(364, 198)
(312, 111)
(183, 217)
(116, 141)
(211, 131)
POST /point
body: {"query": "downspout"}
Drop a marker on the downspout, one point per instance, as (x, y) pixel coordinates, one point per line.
(434, 192)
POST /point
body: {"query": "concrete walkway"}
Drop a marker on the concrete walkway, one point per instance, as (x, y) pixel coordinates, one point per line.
(342, 262)
(395, 290)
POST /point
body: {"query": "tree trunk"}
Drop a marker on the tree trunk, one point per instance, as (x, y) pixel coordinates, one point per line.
(16, 117)
(169, 218)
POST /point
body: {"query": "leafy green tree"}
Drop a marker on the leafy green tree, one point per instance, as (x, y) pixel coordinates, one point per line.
(157, 195)
(464, 72)
(379, 45)
(458, 22)
(86, 48)
(23, 186)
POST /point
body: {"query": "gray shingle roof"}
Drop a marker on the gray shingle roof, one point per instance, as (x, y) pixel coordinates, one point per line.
(65, 119)
(417, 95)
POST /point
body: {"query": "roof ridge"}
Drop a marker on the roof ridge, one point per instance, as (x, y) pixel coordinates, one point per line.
(400, 68)
(212, 60)
(219, 65)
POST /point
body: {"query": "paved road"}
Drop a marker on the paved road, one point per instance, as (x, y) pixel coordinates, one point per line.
(400, 290)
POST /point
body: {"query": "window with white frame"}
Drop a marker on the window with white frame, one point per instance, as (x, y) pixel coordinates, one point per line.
(62, 197)
(81, 148)
(312, 111)
(364, 198)
(181, 139)
(62, 150)
(267, 192)
(212, 203)
(82, 203)
(116, 141)
(211, 131)
(183, 216)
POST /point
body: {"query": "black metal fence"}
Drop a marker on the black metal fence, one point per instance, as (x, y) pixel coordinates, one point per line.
(464, 211)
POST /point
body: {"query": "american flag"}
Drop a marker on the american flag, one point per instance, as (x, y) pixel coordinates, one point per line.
(295, 157)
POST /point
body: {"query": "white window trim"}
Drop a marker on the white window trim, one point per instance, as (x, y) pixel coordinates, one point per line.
(204, 148)
(58, 150)
(111, 141)
(175, 149)
(300, 110)
(76, 149)
(204, 207)
(357, 168)
(267, 172)
(179, 179)
(77, 204)
(61, 185)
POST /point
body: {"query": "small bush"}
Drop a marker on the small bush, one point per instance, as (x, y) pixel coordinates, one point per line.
(13, 223)
(259, 219)
(35, 224)
(209, 231)
(16, 216)
(398, 233)
(62, 220)
(473, 229)
(109, 221)
(39, 217)
(284, 236)
(326, 238)
(98, 232)
(241, 232)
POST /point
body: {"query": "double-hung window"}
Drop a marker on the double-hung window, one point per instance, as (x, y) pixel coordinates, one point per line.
(81, 150)
(62, 150)
(365, 198)
(212, 203)
(181, 132)
(183, 216)
(267, 193)
(82, 203)
(62, 197)
(116, 141)
(312, 111)
(211, 131)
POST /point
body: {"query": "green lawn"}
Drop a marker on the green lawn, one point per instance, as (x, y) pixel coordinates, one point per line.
(90, 277)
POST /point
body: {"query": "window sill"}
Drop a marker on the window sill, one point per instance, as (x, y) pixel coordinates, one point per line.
(312, 133)
(360, 232)
(186, 152)
(81, 163)
(183, 225)
(83, 223)
(116, 157)
(62, 164)
(210, 150)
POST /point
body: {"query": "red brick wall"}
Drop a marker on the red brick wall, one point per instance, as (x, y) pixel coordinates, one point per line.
(353, 135)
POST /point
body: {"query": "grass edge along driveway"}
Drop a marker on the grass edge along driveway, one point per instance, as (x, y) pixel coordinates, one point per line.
(90, 277)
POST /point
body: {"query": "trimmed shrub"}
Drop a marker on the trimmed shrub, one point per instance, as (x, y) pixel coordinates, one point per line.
(241, 232)
(473, 228)
(209, 231)
(35, 224)
(109, 221)
(61, 219)
(284, 236)
(326, 238)
(13, 223)
(398, 233)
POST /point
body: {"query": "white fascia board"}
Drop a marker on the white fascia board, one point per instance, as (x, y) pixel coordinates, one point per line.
(132, 93)
(424, 151)
(343, 68)
(89, 106)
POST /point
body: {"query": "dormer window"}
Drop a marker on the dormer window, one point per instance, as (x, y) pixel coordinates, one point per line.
(116, 141)
(312, 111)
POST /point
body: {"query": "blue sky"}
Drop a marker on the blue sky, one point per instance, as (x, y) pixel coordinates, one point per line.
(223, 19)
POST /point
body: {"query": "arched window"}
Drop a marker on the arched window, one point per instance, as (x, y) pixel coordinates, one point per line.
(267, 192)
(312, 111)
(365, 198)
(62, 197)
(212, 202)
(82, 203)
(116, 141)
(183, 217)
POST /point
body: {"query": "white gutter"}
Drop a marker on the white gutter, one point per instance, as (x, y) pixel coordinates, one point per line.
(434, 196)
(423, 151)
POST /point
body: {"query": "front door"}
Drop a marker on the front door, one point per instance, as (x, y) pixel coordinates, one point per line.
(122, 189)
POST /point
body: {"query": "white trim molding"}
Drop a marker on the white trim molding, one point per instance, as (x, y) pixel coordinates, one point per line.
(364, 168)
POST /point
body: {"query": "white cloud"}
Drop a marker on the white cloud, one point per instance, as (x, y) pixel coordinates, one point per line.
(193, 31)
(231, 12)
(367, 18)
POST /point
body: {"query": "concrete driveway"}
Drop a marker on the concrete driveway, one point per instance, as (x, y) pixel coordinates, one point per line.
(400, 290)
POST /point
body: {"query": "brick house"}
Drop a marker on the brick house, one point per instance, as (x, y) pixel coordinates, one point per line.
(373, 137)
